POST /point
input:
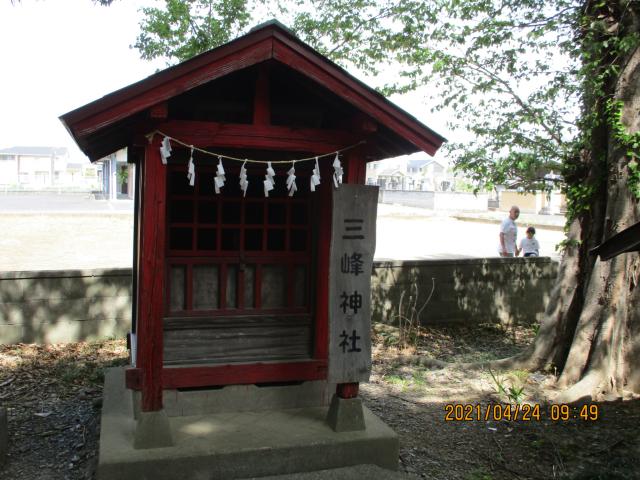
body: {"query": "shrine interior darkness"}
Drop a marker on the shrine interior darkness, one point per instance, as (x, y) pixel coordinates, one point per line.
(294, 100)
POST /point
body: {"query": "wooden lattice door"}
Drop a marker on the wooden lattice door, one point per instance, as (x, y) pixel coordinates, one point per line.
(239, 272)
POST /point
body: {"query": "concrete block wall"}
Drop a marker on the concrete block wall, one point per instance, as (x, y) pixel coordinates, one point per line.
(439, 201)
(64, 306)
(469, 291)
(408, 198)
(68, 306)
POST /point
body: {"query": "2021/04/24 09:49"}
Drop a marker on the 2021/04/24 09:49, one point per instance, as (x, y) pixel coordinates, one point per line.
(457, 412)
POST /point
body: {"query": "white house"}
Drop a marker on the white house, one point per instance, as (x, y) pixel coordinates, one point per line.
(33, 166)
(36, 168)
(403, 174)
(429, 174)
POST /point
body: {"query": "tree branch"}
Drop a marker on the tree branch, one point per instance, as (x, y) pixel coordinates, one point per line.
(383, 14)
(508, 90)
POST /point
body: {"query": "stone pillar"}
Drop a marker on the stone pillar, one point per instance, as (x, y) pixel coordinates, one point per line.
(152, 430)
(345, 412)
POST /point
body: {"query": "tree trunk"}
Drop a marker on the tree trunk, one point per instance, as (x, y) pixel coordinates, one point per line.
(591, 329)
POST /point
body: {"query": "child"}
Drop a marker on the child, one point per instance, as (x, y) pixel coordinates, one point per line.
(529, 246)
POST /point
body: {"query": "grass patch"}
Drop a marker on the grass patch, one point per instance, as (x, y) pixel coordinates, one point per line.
(396, 380)
(510, 385)
(478, 474)
(418, 377)
(410, 379)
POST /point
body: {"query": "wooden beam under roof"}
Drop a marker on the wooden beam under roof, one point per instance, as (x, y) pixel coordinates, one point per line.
(267, 137)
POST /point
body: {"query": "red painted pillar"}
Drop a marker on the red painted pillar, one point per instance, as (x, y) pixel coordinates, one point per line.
(152, 277)
(356, 166)
(323, 259)
(347, 390)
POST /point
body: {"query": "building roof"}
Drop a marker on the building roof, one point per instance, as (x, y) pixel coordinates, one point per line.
(628, 240)
(418, 164)
(391, 172)
(105, 125)
(35, 151)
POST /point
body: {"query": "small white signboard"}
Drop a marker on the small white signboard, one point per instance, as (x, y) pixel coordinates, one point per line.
(353, 243)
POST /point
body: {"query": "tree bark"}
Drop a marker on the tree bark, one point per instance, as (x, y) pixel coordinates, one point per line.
(591, 329)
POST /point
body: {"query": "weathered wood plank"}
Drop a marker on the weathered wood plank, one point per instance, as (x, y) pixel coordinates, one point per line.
(176, 323)
(236, 339)
(105, 112)
(366, 100)
(352, 247)
(237, 374)
(262, 104)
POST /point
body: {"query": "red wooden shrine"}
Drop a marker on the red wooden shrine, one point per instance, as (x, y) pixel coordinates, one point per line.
(232, 288)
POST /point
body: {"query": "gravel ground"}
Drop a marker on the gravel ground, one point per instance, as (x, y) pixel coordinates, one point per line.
(53, 395)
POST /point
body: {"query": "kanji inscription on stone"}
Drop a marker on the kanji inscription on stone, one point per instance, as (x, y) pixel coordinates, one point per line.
(351, 263)
(353, 243)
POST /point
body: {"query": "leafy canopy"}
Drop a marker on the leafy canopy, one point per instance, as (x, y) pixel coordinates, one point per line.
(507, 71)
(185, 28)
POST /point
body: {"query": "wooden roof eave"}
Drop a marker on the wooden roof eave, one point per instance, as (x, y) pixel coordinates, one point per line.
(141, 98)
(364, 98)
(169, 74)
(270, 42)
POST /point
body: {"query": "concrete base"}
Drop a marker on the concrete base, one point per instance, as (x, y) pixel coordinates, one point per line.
(242, 398)
(236, 445)
(346, 414)
(152, 430)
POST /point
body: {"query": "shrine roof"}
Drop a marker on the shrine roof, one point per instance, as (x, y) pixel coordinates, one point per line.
(110, 123)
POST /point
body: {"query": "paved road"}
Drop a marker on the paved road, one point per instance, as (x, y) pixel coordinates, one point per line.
(51, 202)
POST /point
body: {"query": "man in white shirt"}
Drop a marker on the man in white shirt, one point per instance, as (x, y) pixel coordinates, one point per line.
(509, 234)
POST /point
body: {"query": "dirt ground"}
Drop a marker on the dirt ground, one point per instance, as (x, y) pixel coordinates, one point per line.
(59, 242)
(53, 396)
(415, 400)
(55, 241)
